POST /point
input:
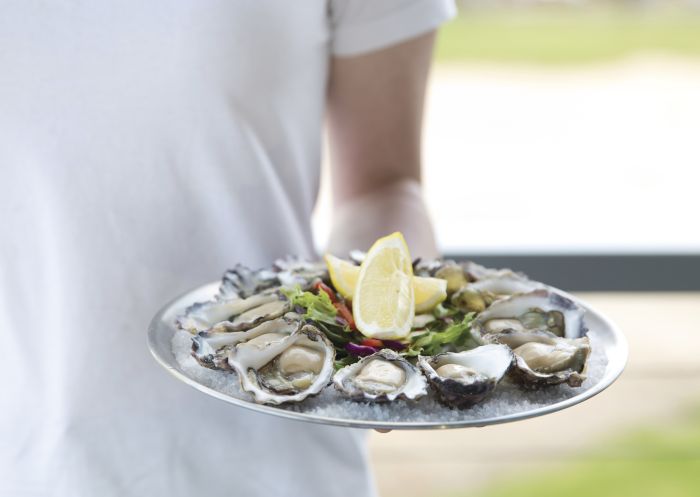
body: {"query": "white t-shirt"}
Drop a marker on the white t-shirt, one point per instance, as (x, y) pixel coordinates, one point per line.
(146, 146)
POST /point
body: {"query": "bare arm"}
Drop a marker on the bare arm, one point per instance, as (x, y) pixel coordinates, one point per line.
(375, 111)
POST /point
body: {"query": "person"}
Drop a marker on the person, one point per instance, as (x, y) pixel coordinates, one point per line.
(144, 148)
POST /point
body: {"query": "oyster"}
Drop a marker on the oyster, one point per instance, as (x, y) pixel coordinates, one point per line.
(448, 270)
(381, 377)
(536, 311)
(477, 296)
(462, 379)
(210, 348)
(278, 368)
(239, 314)
(427, 267)
(545, 331)
(551, 360)
(243, 282)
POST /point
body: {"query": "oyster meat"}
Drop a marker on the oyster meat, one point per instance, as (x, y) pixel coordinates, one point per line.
(278, 368)
(381, 377)
(462, 379)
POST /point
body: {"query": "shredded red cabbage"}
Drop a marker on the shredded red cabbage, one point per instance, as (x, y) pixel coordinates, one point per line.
(394, 345)
(360, 350)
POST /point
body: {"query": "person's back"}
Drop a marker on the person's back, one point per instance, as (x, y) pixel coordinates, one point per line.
(144, 148)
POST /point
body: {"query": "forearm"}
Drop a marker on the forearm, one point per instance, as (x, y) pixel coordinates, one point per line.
(375, 111)
(396, 206)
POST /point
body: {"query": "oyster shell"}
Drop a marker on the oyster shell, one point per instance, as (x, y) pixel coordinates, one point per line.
(505, 285)
(477, 296)
(551, 361)
(477, 272)
(293, 271)
(462, 379)
(278, 368)
(243, 282)
(536, 311)
(239, 314)
(381, 377)
(210, 348)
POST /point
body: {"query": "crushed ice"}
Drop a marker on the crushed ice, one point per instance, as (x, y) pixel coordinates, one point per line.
(506, 399)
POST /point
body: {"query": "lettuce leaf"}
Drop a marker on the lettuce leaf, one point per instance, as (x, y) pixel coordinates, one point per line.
(442, 311)
(433, 342)
(345, 361)
(318, 306)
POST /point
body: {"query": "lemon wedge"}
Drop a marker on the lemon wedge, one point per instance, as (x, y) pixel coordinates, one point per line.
(427, 292)
(383, 305)
(343, 275)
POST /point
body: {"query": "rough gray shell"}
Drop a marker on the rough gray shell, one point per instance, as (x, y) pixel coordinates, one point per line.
(243, 282)
(488, 362)
(413, 387)
(256, 366)
(238, 314)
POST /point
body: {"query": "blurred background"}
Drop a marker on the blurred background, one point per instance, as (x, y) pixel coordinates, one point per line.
(562, 138)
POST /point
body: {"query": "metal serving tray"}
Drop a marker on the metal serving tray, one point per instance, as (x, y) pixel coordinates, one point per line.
(162, 329)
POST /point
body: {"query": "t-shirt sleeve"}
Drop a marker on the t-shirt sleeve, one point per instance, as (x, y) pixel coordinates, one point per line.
(360, 26)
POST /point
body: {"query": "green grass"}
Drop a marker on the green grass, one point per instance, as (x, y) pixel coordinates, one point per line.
(659, 462)
(565, 36)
